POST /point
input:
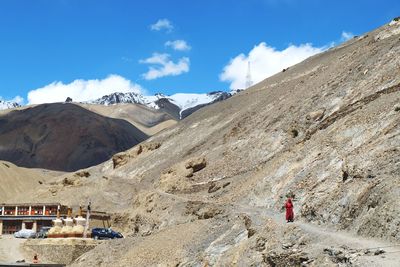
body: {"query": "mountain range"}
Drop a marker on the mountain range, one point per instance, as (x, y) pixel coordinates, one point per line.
(45, 136)
(178, 105)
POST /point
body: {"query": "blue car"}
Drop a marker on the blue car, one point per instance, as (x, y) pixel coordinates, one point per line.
(105, 233)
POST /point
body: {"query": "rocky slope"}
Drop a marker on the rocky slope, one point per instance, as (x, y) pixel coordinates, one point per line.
(63, 137)
(209, 191)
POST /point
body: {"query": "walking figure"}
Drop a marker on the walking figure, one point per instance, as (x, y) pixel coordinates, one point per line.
(289, 210)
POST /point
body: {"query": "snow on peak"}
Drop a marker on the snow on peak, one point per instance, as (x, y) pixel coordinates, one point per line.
(118, 98)
(185, 101)
(8, 104)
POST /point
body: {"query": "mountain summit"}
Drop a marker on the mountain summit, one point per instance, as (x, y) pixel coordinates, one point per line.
(178, 105)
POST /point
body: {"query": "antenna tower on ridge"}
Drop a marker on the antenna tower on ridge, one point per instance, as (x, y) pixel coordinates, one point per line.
(249, 82)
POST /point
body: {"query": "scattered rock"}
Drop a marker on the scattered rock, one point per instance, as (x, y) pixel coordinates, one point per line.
(379, 251)
(294, 133)
(122, 158)
(150, 146)
(202, 210)
(213, 188)
(397, 108)
(287, 245)
(171, 179)
(260, 244)
(82, 174)
(188, 173)
(53, 191)
(345, 175)
(68, 100)
(226, 184)
(303, 240)
(337, 255)
(286, 259)
(316, 115)
(247, 223)
(196, 164)
(66, 181)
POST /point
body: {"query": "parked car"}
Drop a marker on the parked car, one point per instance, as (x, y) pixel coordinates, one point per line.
(105, 233)
(25, 233)
(43, 232)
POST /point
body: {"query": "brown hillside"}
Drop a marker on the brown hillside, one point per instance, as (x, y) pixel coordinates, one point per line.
(17, 181)
(63, 137)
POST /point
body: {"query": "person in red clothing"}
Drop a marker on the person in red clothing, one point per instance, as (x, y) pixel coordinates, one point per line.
(289, 210)
(35, 258)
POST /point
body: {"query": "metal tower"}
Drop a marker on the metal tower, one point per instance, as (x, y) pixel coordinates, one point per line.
(249, 82)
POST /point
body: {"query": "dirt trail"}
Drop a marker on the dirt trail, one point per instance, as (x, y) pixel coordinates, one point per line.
(10, 249)
(327, 238)
(322, 237)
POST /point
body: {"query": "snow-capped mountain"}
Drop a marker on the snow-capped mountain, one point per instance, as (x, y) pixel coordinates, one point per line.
(178, 105)
(8, 104)
(117, 98)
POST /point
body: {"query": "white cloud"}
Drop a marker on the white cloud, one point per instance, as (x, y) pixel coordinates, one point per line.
(265, 61)
(346, 36)
(18, 99)
(82, 90)
(162, 66)
(162, 24)
(179, 45)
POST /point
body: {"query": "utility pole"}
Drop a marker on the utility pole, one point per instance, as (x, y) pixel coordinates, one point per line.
(249, 81)
(87, 219)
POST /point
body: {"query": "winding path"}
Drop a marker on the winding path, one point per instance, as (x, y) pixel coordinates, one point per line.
(322, 237)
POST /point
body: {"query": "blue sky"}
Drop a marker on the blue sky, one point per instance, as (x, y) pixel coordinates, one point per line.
(46, 45)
